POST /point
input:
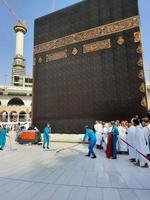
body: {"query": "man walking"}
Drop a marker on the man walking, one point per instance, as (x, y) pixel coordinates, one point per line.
(92, 141)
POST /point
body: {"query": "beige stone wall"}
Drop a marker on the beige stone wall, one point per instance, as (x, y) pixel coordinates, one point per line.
(18, 110)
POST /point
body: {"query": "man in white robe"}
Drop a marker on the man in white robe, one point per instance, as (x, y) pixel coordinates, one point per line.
(105, 135)
(141, 145)
(131, 137)
(146, 137)
(122, 135)
(98, 127)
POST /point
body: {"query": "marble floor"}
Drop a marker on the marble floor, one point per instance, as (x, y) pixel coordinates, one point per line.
(27, 172)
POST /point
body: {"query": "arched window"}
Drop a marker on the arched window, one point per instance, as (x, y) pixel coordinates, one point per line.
(15, 102)
(4, 116)
(13, 116)
(22, 116)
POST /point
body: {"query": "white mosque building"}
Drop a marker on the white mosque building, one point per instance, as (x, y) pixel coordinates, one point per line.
(16, 99)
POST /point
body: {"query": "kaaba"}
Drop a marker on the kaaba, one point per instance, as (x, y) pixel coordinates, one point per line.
(88, 65)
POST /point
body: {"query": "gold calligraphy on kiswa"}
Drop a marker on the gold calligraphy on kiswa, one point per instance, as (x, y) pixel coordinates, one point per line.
(139, 48)
(142, 88)
(140, 62)
(120, 40)
(56, 56)
(137, 37)
(144, 102)
(141, 74)
(89, 34)
(95, 46)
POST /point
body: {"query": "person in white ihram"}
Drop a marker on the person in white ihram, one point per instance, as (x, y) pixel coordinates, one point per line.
(141, 144)
(122, 135)
(98, 127)
(105, 135)
(131, 140)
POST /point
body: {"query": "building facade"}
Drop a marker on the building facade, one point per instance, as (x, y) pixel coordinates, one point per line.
(15, 99)
(15, 104)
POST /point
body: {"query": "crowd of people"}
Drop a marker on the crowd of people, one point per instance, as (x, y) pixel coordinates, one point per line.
(122, 137)
(117, 137)
(13, 131)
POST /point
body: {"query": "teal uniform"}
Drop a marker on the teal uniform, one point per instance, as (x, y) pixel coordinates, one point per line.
(91, 135)
(47, 131)
(115, 134)
(3, 134)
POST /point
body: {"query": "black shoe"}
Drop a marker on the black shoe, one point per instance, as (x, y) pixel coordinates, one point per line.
(115, 157)
(47, 147)
(93, 157)
(87, 155)
(137, 163)
(145, 166)
(1, 149)
(132, 160)
(43, 147)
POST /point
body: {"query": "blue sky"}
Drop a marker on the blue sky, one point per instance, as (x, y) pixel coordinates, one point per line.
(28, 10)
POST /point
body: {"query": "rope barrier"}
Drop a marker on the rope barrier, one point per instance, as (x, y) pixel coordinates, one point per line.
(146, 157)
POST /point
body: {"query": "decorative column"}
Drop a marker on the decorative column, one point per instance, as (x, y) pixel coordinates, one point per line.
(19, 62)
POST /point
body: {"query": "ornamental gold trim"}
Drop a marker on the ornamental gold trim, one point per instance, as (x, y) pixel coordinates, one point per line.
(139, 49)
(144, 102)
(140, 62)
(56, 56)
(40, 60)
(142, 88)
(141, 74)
(120, 40)
(74, 51)
(89, 34)
(137, 37)
(96, 46)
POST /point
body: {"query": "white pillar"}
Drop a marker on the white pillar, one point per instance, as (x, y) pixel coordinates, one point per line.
(19, 62)
(20, 30)
(19, 43)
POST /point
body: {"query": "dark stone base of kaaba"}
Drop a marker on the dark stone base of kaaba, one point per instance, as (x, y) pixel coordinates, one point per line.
(83, 87)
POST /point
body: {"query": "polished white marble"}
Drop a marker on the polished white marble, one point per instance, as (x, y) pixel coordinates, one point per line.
(27, 172)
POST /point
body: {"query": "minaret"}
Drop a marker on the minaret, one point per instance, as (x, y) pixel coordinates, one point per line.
(18, 70)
